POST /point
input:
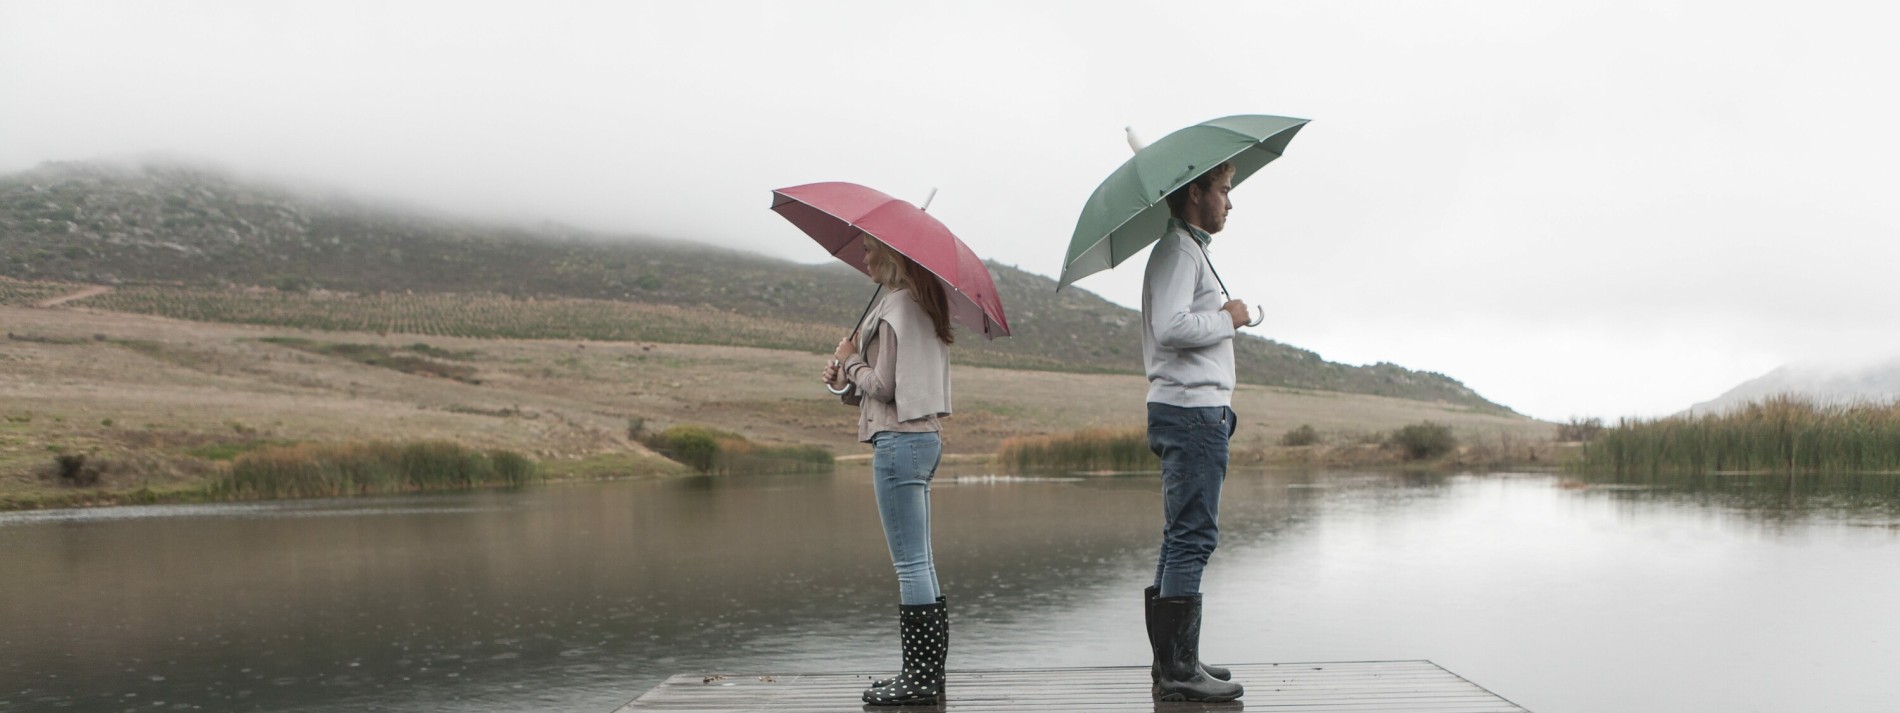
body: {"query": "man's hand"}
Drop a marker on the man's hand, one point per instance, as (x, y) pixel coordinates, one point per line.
(1237, 311)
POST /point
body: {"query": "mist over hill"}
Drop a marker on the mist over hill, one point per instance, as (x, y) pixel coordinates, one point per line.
(174, 224)
(1824, 384)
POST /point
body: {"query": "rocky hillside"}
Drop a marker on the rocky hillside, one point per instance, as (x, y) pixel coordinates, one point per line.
(185, 226)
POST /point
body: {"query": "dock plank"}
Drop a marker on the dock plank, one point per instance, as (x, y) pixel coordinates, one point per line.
(1324, 687)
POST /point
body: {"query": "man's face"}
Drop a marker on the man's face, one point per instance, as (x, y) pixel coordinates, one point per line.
(1210, 206)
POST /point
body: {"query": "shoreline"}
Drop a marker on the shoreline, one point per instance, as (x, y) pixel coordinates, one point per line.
(613, 468)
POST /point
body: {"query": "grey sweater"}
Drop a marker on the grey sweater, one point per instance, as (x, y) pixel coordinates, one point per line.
(1187, 341)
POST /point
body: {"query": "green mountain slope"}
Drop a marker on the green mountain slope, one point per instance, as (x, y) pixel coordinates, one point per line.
(200, 229)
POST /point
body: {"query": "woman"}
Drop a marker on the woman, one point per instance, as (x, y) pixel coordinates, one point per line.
(899, 377)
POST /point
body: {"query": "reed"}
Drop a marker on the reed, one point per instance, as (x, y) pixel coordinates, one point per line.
(1778, 435)
(323, 469)
(712, 451)
(1096, 449)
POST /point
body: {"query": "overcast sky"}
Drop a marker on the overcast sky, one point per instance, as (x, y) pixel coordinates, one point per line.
(1580, 208)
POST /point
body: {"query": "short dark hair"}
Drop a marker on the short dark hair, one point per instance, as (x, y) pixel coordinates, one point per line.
(1177, 201)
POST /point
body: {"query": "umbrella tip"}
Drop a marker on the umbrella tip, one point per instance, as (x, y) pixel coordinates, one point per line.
(1134, 141)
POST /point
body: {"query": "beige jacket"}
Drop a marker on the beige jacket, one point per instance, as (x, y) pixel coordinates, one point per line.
(902, 373)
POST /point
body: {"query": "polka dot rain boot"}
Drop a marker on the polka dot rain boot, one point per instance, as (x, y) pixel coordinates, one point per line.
(882, 682)
(924, 631)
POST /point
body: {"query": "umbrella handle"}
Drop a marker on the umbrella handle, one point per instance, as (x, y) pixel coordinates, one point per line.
(856, 327)
(1255, 315)
(837, 391)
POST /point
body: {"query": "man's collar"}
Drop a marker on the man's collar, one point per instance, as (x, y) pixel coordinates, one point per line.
(1200, 236)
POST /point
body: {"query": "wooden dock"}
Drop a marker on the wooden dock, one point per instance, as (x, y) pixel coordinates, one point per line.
(1337, 687)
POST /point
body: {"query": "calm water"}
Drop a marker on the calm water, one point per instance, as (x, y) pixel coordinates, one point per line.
(1716, 594)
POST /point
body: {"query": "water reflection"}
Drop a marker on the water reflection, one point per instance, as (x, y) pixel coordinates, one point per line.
(1871, 498)
(578, 597)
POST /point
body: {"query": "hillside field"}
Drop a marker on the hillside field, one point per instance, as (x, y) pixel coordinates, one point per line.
(165, 400)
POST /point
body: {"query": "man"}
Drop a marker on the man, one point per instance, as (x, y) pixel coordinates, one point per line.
(1187, 340)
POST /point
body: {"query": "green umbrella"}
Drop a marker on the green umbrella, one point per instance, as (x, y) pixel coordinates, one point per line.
(1127, 212)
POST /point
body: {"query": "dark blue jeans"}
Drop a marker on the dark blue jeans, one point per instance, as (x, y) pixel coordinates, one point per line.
(1192, 444)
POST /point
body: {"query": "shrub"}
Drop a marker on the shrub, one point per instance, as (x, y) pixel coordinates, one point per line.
(73, 470)
(694, 446)
(1424, 440)
(1304, 435)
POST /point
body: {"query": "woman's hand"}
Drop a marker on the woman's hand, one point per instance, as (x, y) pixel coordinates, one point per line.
(833, 375)
(846, 349)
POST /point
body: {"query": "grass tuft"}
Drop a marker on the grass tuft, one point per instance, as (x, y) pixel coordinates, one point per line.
(321, 470)
(709, 450)
(1092, 449)
(1303, 435)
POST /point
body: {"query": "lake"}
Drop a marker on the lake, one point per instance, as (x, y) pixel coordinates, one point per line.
(1563, 594)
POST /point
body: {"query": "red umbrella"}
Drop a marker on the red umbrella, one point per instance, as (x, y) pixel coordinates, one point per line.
(839, 215)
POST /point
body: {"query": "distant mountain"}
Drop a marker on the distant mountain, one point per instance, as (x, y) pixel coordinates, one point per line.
(1828, 385)
(186, 226)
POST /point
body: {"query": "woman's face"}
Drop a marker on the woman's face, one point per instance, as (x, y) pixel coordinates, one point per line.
(878, 259)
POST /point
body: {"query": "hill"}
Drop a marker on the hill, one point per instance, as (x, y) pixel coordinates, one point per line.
(1824, 385)
(186, 242)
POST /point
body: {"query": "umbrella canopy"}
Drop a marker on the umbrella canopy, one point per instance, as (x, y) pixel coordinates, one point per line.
(839, 215)
(1128, 211)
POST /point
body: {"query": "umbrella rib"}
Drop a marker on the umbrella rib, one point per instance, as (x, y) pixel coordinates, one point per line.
(859, 237)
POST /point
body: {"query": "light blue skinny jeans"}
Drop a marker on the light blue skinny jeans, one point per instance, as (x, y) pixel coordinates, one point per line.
(901, 467)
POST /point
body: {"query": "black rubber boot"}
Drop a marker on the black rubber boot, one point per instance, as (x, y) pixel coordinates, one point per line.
(882, 682)
(924, 632)
(1154, 671)
(1178, 642)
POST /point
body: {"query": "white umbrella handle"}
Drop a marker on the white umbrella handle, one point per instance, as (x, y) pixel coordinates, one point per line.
(854, 333)
(847, 385)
